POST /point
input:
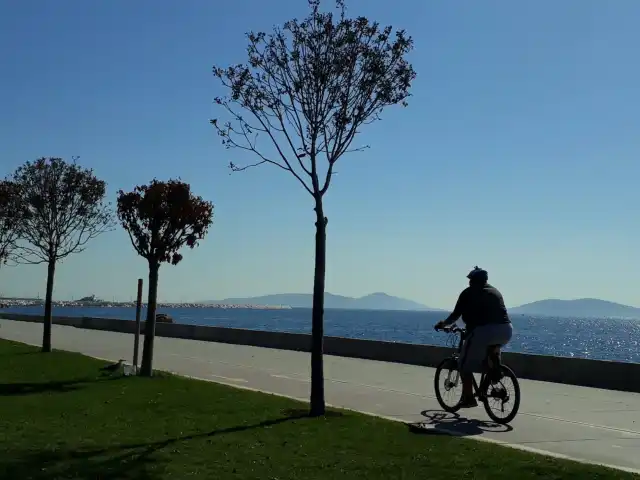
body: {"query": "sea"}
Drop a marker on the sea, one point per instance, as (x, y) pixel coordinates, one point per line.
(595, 338)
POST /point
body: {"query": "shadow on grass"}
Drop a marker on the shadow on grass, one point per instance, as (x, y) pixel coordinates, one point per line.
(304, 412)
(20, 354)
(125, 461)
(440, 422)
(83, 464)
(59, 386)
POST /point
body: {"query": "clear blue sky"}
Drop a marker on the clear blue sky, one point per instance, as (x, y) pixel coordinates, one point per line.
(519, 151)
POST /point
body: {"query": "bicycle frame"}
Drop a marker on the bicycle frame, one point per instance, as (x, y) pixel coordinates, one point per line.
(456, 356)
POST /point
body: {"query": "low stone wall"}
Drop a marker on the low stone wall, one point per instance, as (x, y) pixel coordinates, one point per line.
(571, 371)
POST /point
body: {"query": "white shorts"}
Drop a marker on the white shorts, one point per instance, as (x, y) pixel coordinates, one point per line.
(474, 349)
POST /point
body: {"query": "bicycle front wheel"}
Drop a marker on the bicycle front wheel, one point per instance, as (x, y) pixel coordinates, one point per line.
(448, 385)
(502, 398)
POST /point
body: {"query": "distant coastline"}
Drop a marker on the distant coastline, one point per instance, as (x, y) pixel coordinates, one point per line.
(8, 303)
(583, 308)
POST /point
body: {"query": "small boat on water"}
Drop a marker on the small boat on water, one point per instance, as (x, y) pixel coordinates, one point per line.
(163, 318)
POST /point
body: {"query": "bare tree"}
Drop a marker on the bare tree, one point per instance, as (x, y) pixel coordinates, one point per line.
(309, 87)
(10, 219)
(64, 207)
(161, 218)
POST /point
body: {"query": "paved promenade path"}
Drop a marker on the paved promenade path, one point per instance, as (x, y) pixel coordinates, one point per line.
(588, 424)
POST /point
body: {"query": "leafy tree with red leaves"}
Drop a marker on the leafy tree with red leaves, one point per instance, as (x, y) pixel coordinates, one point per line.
(161, 218)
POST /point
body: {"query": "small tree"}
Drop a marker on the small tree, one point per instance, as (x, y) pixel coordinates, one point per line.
(309, 87)
(10, 219)
(160, 219)
(64, 207)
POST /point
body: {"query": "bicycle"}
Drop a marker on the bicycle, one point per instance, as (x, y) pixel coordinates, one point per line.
(491, 381)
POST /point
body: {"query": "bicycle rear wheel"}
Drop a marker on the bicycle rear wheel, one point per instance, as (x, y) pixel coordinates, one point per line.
(446, 382)
(500, 395)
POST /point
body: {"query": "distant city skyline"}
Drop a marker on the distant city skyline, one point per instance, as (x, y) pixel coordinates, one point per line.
(518, 151)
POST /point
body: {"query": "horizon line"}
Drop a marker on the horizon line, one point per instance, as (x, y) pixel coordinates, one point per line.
(225, 300)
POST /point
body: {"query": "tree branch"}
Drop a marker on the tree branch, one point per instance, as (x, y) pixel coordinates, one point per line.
(63, 208)
(311, 85)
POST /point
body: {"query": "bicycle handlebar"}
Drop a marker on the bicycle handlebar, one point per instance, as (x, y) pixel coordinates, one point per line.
(452, 329)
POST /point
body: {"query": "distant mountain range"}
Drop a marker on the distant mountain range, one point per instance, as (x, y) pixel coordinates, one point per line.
(374, 301)
(581, 308)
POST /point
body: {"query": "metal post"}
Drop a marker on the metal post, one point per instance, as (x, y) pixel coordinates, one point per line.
(136, 344)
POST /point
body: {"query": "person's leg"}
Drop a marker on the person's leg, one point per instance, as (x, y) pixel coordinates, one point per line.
(494, 362)
(467, 386)
(469, 363)
(500, 335)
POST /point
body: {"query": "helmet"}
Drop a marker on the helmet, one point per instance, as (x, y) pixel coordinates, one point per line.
(478, 274)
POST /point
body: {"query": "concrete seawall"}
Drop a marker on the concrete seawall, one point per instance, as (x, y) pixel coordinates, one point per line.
(572, 371)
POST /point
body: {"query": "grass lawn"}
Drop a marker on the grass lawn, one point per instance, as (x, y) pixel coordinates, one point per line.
(60, 418)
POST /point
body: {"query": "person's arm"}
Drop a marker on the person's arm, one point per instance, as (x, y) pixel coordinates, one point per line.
(457, 312)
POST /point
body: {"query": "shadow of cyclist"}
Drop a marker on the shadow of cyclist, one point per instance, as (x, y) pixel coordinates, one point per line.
(437, 421)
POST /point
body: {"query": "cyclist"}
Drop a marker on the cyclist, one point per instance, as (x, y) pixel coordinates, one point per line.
(482, 309)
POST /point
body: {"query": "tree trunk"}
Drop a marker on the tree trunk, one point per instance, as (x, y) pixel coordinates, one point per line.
(146, 368)
(317, 315)
(48, 307)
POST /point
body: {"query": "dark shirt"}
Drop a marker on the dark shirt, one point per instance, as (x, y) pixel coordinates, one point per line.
(480, 305)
